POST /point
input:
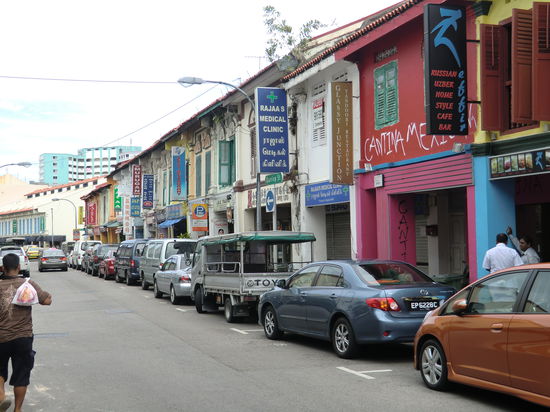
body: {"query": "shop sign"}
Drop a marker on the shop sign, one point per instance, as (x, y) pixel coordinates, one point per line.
(341, 126)
(126, 222)
(117, 200)
(199, 217)
(282, 195)
(326, 193)
(160, 216)
(148, 186)
(179, 182)
(221, 204)
(136, 180)
(124, 185)
(14, 227)
(518, 164)
(445, 69)
(97, 231)
(175, 211)
(91, 215)
(272, 129)
(135, 206)
(76, 234)
(80, 215)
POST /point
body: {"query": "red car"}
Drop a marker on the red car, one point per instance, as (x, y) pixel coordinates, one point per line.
(107, 266)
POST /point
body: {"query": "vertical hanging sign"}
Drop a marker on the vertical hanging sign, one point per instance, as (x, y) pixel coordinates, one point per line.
(445, 69)
(341, 127)
(91, 214)
(148, 191)
(272, 130)
(136, 180)
(179, 184)
(117, 200)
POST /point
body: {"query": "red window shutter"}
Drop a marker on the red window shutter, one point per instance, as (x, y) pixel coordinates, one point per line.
(522, 56)
(492, 38)
(541, 61)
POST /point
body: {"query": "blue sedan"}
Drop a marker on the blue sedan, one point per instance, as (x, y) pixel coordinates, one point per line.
(352, 303)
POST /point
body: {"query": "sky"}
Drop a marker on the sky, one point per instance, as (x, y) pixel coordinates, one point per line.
(130, 41)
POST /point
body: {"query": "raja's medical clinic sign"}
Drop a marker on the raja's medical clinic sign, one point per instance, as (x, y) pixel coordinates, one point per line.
(272, 127)
(445, 69)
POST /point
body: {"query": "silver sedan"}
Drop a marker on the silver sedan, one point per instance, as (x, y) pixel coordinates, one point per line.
(174, 279)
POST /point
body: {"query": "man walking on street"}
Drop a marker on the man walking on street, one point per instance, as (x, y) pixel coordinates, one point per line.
(501, 256)
(16, 334)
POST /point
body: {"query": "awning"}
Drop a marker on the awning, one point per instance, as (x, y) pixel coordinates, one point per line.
(273, 237)
(113, 223)
(170, 222)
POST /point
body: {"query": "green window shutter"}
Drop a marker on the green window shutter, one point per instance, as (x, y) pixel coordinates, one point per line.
(207, 171)
(386, 103)
(233, 162)
(379, 97)
(392, 97)
(227, 172)
(198, 175)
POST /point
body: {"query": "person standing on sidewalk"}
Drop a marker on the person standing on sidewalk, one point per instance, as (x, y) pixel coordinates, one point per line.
(501, 256)
(524, 246)
(16, 334)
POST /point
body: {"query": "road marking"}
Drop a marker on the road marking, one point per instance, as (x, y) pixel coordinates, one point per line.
(182, 310)
(122, 287)
(245, 332)
(362, 374)
(146, 296)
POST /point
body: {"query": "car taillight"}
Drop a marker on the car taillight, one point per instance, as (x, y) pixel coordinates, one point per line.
(185, 279)
(385, 304)
(43, 259)
(160, 265)
(96, 259)
(132, 263)
(63, 258)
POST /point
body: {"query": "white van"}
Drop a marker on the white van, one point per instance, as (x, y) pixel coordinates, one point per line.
(157, 251)
(80, 246)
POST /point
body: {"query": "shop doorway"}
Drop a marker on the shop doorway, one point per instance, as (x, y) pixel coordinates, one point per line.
(534, 220)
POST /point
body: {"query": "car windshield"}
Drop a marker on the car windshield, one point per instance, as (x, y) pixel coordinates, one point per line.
(53, 253)
(390, 273)
(87, 244)
(16, 251)
(104, 250)
(179, 248)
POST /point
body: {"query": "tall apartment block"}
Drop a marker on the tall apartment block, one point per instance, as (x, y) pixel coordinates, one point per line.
(62, 168)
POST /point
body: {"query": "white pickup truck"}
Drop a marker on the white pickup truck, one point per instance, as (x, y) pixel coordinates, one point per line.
(233, 270)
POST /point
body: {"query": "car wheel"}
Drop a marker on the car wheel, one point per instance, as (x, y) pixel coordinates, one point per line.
(117, 278)
(65, 269)
(198, 300)
(144, 284)
(271, 325)
(40, 270)
(175, 300)
(129, 280)
(433, 365)
(343, 339)
(156, 291)
(228, 310)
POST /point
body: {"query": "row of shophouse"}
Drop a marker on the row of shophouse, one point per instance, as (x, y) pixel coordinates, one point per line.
(367, 172)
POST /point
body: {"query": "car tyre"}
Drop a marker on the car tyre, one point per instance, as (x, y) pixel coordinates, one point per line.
(40, 270)
(117, 278)
(129, 280)
(271, 324)
(433, 365)
(198, 300)
(174, 300)
(228, 310)
(343, 339)
(65, 269)
(156, 291)
(144, 284)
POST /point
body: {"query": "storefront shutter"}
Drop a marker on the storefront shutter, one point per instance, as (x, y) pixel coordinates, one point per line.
(338, 236)
(491, 76)
(522, 32)
(541, 61)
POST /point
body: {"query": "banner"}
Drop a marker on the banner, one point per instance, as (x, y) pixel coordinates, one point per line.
(91, 215)
(80, 215)
(272, 130)
(136, 180)
(148, 186)
(179, 182)
(445, 70)
(126, 219)
(341, 126)
(135, 206)
(199, 217)
(117, 200)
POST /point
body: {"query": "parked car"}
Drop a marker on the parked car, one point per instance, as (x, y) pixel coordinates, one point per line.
(493, 334)
(52, 259)
(32, 252)
(157, 251)
(23, 259)
(352, 303)
(67, 248)
(174, 279)
(78, 252)
(99, 252)
(107, 266)
(127, 261)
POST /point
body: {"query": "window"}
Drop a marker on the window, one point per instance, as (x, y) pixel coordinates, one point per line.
(156, 252)
(514, 70)
(538, 300)
(304, 278)
(207, 171)
(386, 96)
(198, 176)
(330, 276)
(139, 249)
(319, 134)
(497, 294)
(227, 163)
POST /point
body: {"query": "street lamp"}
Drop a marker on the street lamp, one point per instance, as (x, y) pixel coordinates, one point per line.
(24, 164)
(197, 80)
(75, 213)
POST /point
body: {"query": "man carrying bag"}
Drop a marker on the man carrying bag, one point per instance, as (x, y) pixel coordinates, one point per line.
(16, 333)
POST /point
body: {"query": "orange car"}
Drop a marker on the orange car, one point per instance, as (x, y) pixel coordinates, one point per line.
(493, 334)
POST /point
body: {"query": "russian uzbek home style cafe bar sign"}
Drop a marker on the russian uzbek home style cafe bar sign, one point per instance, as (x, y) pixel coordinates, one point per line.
(445, 70)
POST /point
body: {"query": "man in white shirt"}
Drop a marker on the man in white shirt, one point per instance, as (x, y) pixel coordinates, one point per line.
(524, 246)
(501, 256)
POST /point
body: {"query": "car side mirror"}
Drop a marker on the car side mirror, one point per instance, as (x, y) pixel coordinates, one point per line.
(459, 306)
(115, 254)
(187, 262)
(281, 283)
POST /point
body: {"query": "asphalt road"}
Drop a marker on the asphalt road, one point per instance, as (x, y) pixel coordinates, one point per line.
(104, 346)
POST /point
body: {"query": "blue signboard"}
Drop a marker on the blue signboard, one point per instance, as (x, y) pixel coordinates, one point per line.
(269, 201)
(272, 130)
(135, 206)
(179, 182)
(326, 193)
(148, 191)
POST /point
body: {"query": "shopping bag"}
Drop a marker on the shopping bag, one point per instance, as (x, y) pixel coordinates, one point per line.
(25, 295)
